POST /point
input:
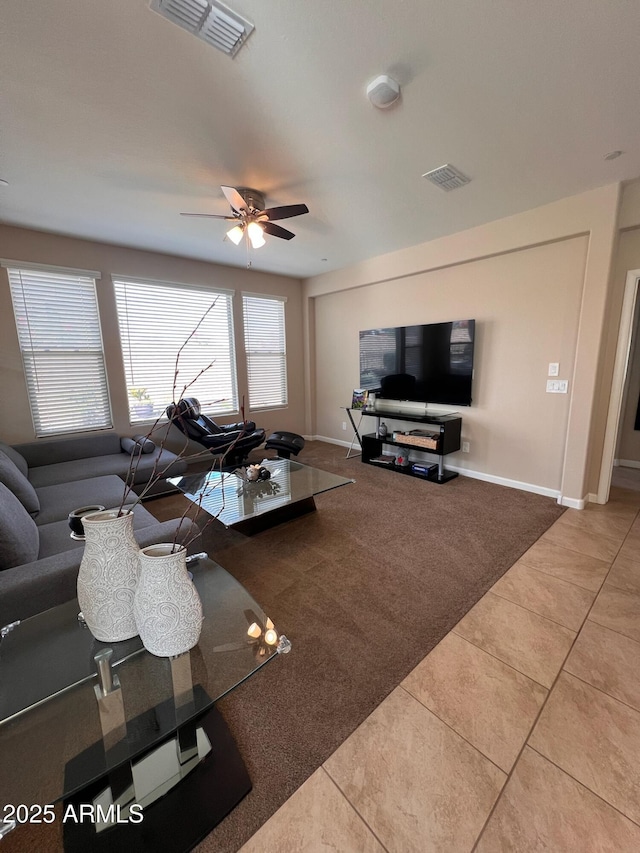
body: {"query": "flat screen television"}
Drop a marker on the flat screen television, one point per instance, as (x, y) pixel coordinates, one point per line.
(427, 364)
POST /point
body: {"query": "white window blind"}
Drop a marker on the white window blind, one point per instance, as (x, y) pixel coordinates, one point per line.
(156, 320)
(265, 345)
(59, 333)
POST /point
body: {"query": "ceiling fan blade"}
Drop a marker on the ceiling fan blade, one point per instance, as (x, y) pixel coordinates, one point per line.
(276, 231)
(286, 211)
(209, 215)
(235, 199)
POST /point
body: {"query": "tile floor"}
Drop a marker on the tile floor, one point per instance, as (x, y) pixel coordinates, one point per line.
(519, 732)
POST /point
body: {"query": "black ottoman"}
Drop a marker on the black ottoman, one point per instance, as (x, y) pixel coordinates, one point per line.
(285, 443)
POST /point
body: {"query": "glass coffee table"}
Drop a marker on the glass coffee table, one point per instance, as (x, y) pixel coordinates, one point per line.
(251, 507)
(140, 747)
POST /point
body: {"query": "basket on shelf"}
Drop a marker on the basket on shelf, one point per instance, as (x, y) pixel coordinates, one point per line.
(428, 442)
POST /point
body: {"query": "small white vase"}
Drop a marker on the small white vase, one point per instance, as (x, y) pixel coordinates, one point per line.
(167, 607)
(108, 575)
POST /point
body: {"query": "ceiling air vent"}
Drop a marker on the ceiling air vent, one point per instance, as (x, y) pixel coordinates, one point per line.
(447, 177)
(213, 22)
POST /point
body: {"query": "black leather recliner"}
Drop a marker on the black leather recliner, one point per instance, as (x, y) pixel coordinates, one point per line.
(232, 441)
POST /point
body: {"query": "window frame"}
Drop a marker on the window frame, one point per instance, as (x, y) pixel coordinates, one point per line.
(32, 354)
(211, 292)
(249, 353)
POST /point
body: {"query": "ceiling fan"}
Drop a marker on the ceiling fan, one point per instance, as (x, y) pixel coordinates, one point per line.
(250, 217)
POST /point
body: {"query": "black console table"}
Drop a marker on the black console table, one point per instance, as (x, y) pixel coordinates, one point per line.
(447, 431)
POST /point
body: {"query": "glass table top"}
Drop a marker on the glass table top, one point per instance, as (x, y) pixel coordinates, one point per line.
(231, 500)
(48, 709)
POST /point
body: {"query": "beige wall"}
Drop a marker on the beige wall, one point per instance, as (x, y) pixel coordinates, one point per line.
(526, 306)
(38, 247)
(539, 284)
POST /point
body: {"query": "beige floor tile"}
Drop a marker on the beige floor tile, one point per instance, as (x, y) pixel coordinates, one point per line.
(595, 739)
(625, 574)
(533, 645)
(618, 610)
(489, 703)
(602, 523)
(543, 809)
(631, 547)
(593, 544)
(608, 661)
(315, 818)
(581, 569)
(556, 599)
(619, 508)
(621, 493)
(417, 784)
(634, 533)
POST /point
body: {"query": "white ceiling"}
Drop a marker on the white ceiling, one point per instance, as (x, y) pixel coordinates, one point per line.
(113, 120)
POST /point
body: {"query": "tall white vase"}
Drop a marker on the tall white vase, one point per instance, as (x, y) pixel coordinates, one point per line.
(167, 606)
(108, 575)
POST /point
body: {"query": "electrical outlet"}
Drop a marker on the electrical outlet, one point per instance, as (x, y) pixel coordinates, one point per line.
(465, 446)
(344, 424)
(557, 386)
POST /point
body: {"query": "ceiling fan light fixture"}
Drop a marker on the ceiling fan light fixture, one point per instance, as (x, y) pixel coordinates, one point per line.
(235, 234)
(250, 218)
(256, 235)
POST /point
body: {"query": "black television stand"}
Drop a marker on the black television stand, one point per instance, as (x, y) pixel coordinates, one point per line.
(446, 439)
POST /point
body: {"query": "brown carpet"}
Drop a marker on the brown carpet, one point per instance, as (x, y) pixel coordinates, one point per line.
(364, 588)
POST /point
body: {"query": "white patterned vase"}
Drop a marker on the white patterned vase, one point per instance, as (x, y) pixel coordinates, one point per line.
(108, 575)
(167, 606)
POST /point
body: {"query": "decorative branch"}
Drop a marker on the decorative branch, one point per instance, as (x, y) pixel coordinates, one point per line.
(159, 471)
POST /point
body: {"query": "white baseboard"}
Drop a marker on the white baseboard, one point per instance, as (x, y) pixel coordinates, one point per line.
(505, 481)
(337, 441)
(627, 463)
(574, 503)
(488, 478)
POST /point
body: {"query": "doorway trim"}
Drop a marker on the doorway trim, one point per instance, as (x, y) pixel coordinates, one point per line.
(625, 333)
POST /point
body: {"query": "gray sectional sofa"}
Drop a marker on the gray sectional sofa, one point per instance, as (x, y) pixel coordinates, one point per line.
(40, 484)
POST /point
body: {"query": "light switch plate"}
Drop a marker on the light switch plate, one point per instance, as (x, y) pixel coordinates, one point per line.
(557, 386)
(554, 368)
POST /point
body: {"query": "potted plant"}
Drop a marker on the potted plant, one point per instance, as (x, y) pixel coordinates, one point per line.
(143, 407)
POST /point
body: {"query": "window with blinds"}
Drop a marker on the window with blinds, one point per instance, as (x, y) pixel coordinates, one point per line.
(58, 325)
(265, 345)
(161, 322)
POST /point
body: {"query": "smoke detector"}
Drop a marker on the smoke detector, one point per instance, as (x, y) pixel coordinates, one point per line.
(447, 177)
(209, 20)
(383, 92)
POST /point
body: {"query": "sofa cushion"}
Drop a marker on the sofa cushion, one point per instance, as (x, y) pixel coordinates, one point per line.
(17, 458)
(17, 483)
(32, 588)
(137, 444)
(55, 537)
(19, 540)
(57, 501)
(169, 465)
(55, 450)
